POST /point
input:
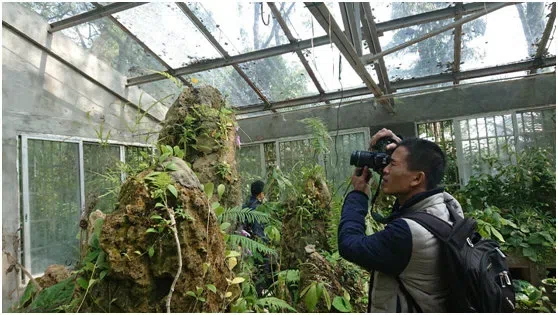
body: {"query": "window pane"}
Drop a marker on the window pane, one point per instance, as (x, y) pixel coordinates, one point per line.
(135, 158)
(499, 125)
(54, 203)
(102, 176)
(338, 168)
(57, 11)
(473, 128)
(464, 129)
(481, 127)
(296, 152)
(249, 166)
(508, 125)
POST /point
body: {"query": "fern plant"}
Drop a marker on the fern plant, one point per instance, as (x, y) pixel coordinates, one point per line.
(321, 140)
(253, 246)
(239, 214)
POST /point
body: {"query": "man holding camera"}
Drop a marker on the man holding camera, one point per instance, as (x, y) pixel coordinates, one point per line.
(404, 259)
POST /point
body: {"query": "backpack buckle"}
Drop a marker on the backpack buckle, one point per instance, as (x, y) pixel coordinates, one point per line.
(470, 242)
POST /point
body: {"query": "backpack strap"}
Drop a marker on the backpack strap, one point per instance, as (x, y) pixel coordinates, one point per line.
(438, 227)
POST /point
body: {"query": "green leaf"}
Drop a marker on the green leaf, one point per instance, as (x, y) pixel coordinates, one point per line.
(530, 253)
(220, 190)
(103, 274)
(327, 299)
(311, 298)
(151, 230)
(219, 210)
(224, 226)
(215, 205)
(497, 234)
(341, 304)
(211, 288)
(82, 283)
(137, 252)
(275, 303)
(232, 253)
(190, 293)
(208, 189)
(156, 217)
(159, 205)
(171, 167)
(172, 189)
(237, 280)
(151, 251)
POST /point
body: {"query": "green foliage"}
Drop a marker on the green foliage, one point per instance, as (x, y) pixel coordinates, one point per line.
(529, 298)
(312, 293)
(321, 140)
(342, 304)
(251, 245)
(239, 214)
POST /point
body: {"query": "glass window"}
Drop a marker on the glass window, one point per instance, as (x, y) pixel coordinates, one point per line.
(324, 61)
(295, 153)
(54, 203)
(280, 77)
(168, 32)
(503, 36)
(300, 21)
(102, 176)
(57, 11)
(232, 86)
(249, 166)
(239, 27)
(137, 158)
(428, 57)
(337, 166)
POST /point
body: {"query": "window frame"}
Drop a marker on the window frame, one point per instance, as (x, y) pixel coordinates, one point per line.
(459, 139)
(23, 177)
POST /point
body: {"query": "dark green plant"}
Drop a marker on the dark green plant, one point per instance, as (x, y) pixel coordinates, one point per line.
(532, 299)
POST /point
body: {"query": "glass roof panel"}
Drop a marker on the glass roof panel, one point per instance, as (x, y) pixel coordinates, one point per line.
(109, 43)
(300, 21)
(280, 77)
(403, 9)
(57, 11)
(430, 56)
(232, 86)
(239, 26)
(496, 77)
(168, 32)
(324, 61)
(164, 91)
(501, 37)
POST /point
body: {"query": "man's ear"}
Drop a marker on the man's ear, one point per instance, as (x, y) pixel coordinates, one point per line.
(418, 180)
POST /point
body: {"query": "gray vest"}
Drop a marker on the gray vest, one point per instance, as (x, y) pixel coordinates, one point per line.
(422, 277)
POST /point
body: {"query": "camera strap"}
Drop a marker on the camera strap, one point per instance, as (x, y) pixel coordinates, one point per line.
(376, 216)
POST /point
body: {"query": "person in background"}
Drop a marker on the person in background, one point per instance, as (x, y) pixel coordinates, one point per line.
(404, 259)
(255, 229)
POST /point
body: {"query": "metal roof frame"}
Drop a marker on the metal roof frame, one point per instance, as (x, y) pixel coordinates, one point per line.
(328, 23)
(353, 15)
(93, 15)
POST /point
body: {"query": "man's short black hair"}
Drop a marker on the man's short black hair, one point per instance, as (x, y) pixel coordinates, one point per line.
(257, 187)
(425, 156)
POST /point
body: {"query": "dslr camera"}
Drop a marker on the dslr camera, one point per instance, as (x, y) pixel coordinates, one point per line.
(376, 159)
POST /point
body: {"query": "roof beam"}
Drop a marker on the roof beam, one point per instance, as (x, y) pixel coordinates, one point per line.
(204, 65)
(433, 79)
(371, 34)
(541, 46)
(367, 59)
(322, 15)
(293, 40)
(220, 48)
(350, 13)
(457, 40)
(93, 15)
(142, 45)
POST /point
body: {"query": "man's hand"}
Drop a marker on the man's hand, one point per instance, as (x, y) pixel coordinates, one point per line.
(384, 133)
(360, 183)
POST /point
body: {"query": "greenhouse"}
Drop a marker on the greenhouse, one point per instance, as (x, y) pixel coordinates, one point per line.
(234, 156)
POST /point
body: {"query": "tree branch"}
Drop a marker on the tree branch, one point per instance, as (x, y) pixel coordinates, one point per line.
(179, 249)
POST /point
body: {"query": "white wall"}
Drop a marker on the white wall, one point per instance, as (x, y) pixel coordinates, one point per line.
(42, 95)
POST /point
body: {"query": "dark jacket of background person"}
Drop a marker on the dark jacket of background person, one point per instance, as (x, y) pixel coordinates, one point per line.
(403, 249)
(255, 228)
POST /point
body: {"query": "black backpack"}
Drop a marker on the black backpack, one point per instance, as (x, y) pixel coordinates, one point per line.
(475, 267)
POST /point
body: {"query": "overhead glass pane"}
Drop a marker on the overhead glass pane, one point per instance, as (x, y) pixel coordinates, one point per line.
(300, 21)
(404, 9)
(335, 11)
(239, 26)
(163, 91)
(503, 36)
(57, 11)
(324, 61)
(232, 86)
(551, 45)
(280, 77)
(425, 87)
(168, 32)
(381, 11)
(428, 57)
(54, 204)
